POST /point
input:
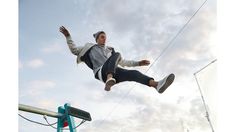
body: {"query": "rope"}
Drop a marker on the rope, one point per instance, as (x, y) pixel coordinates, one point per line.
(164, 50)
(64, 128)
(49, 124)
(39, 123)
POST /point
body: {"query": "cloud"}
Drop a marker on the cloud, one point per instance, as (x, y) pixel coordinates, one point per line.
(48, 104)
(56, 47)
(38, 87)
(144, 109)
(152, 115)
(35, 63)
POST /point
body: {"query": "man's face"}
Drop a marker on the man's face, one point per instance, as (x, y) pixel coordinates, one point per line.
(101, 39)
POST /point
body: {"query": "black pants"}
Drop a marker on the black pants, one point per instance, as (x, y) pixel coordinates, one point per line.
(120, 74)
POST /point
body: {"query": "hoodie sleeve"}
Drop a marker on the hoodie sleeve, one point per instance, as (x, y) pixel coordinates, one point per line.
(128, 63)
(73, 48)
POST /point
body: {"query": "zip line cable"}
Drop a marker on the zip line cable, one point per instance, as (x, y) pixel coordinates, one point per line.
(164, 50)
(171, 41)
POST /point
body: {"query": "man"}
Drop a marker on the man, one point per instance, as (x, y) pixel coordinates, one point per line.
(104, 62)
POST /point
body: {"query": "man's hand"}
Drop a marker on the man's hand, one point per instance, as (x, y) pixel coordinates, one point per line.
(64, 31)
(144, 63)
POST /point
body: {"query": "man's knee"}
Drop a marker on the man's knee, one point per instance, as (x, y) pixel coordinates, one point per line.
(117, 54)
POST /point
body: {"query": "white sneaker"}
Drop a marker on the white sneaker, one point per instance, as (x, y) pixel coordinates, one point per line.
(109, 83)
(165, 83)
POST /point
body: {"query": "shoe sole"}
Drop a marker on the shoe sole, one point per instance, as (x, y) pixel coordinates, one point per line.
(109, 84)
(169, 81)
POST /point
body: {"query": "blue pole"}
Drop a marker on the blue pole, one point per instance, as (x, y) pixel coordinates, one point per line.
(69, 119)
(60, 122)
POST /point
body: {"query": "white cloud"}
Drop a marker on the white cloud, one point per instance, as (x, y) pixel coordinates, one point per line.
(37, 87)
(35, 63)
(153, 115)
(49, 104)
(52, 48)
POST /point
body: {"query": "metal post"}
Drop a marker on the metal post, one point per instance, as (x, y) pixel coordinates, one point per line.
(205, 66)
(203, 100)
(60, 121)
(69, 119)
(40, 111)
(65, 115)
(204, 103)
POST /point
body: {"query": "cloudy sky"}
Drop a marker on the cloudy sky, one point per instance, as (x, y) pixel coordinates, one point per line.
(138, 29)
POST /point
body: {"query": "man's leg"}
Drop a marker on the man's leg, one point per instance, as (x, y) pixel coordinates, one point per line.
(110, 65)
(133, 75)
(109, 70)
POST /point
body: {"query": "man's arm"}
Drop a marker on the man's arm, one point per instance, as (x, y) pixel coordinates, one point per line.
(131, 63)
(73, 48)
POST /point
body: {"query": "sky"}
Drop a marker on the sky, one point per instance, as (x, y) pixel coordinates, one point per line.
(49, 76)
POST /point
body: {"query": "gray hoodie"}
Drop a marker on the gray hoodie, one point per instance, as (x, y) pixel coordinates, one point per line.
(98, 54)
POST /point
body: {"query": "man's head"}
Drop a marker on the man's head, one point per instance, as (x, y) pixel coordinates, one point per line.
(100, 37)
